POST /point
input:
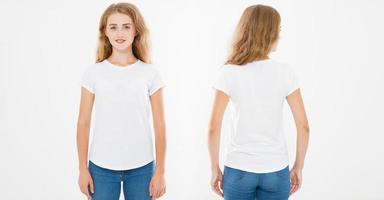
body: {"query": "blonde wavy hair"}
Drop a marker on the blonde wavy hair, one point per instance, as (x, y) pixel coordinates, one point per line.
(140, 45)
(255, 35)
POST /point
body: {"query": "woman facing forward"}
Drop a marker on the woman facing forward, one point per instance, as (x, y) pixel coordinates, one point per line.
(122, 88)
(257, 165)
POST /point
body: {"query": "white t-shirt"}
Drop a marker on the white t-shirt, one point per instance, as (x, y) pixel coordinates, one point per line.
(122, 132)
(257, 92)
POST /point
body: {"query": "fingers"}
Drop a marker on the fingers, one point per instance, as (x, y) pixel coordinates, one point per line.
(92, 186)
(221, 185)
(219, 192)
(156, 192)
(86, 184)
(84, 190)
(216, 187)
(161, 192)
(295, 183)
(293, 189)
(299, 180)
(151, 190)
(217, 182)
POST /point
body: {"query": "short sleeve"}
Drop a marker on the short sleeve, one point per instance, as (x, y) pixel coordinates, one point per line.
(292, 82)
(221, 81)
(88, 79)
(156, 83)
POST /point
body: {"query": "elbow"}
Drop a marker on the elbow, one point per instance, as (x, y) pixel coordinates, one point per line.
(304, 128)
(160, 129)
(83, 124)
(159, 125)
(213, 129)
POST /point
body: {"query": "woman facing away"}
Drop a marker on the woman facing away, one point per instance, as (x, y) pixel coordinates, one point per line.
(123, 89)
(257, 164)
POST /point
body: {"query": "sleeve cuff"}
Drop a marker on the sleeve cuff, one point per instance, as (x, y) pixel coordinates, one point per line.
(154, 90)
(221, 89)
(87, 88)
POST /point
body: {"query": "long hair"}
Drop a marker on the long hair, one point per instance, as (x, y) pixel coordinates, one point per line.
(140, 45)
(256, 32)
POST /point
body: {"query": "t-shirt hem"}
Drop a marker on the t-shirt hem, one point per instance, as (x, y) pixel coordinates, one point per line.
(125, 167)
(257, 170)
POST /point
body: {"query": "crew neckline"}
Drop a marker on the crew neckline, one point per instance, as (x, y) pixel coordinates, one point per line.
(262, 61)
(126, 67)
(257, 62)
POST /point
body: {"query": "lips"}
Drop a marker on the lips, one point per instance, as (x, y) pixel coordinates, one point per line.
(120, 41)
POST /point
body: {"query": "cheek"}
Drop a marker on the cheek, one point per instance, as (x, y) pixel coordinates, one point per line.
(108, 34)
(131, 34)
(110, 39)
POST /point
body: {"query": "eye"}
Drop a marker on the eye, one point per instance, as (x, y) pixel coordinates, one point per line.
(113, 27)
(127, 27)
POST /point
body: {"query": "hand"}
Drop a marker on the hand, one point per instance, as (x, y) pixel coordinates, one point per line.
(296, 180)
(85, 180)
(217, 181)
(157, 186)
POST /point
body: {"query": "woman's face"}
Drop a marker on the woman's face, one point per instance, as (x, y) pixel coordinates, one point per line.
(120, 31)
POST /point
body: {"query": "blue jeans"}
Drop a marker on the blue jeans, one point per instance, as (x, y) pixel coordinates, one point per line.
(107, 183)
(242, 185)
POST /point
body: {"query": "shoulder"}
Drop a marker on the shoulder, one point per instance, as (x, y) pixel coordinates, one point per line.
(149, 68)
(286, 71)
(228, 68)
(92, 68)
(279, 66)
(277, 63)
(146, 66)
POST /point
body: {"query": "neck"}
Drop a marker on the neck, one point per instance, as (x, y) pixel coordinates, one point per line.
(122, 58)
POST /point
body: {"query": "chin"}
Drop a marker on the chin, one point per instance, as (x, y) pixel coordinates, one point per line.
(121, 48)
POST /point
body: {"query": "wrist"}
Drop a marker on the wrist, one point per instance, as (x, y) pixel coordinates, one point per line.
(83, 169)
(298, 166)
(215, 167)
(159, 171)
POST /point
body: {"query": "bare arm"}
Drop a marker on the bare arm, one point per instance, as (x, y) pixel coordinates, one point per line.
(157, 188)
(159, 126)
(296, 104)
(83, 127)
(219, 106)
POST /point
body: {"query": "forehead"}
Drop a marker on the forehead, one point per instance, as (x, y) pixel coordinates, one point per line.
(119, 18)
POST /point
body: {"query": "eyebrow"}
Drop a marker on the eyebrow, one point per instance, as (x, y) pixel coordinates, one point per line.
(116, 24)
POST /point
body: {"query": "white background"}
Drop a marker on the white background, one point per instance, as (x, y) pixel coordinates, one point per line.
(335, 47)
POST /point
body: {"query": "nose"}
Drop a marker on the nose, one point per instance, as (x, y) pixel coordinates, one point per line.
(120, 32)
